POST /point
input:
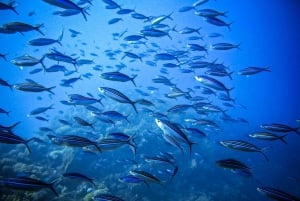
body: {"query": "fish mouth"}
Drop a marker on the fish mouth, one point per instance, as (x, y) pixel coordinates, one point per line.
(100, 89)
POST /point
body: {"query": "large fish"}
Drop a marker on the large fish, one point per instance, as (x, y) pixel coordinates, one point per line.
(117, 96)
(173, 132)
(22, 27)
(33, 87)
(117, 76)
(67, 4)
(73, 141)
(9, 6)
(27, 184)
(212, 83)
(277, 194)
(242, 146)
(280, 128)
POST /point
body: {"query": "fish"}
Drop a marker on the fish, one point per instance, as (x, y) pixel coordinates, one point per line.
(217, 22)
(253, 70)
(196, 47)
(209, 13)
(243, 146)
(276, 194)
(171, 129)
(117, 96)
(10, 6)
(114, 115)
(281, 128)
(106, 197)
(73, 141)
(268, 136)
(224, 46)
(186, 8)
(82, 122)
(78, 99)
(132, 55)
(60, 57)
(41, 118)
(78, 176)
(146, 176)
(212, 83)
(165, 57)
(155, 33)
(114, 20)
(117, 76)
(46, 41)
(235, 165)
(7, 137)
(33, 87)
(199, 2)
(132, 180)
(9, 128)
(67, 4)
(27, 184)
(124, 11)
(134, 38)
(118, 141)
(179, 108)
(159, 19)
(67, 12)
(27, 61)
(69, 82)
(6, 84)
(22, 27)
(40, 110)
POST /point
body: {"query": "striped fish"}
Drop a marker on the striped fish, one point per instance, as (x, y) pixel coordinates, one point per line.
(277, 194)
(7, 137)
(117, 96)
(280, 128)
(73, 141)
(242, 146)
(146, 176)
(27, 184)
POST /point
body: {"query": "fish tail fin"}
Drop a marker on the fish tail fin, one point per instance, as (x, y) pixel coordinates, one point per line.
(229, 74)
(169, 16)
(100, 101)
(83, 12)
(228, 90)
(37, 28)
(282, 138)
(267, 69)
(174, 172)
(11, 86)
(263, 152)
(140, 58)
(228, 25)
(35, 139)
(12, 6)
(60, 38)
(4, 57)
(52, 183)
(27, 147)
(197, 31)
(133, 105)
(132, 80)
(190, 146)
(14, 125)
(97, 146)
(42, 63)
(50, 88)
(7, 113)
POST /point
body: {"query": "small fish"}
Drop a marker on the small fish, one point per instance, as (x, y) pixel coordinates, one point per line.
(217, 22)
(117, 76)
(78, 176)
(106, 197)
(209, 13)
(40, 110)
(27, 184)
(268, 136)
(253, 70)
(281, 128)
(41, 118)
(132, 180)
(235, 165)
(82, 122)
(60, 57)
(114, 115)
(224, 46)
(117, 96)
(46, 41)
(186, 8)
(276, 194)
(114, 20)
(78, 99)
(165, 57)
(132, 55)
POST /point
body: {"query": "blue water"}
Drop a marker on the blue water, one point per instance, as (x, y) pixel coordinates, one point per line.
(269, 36)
